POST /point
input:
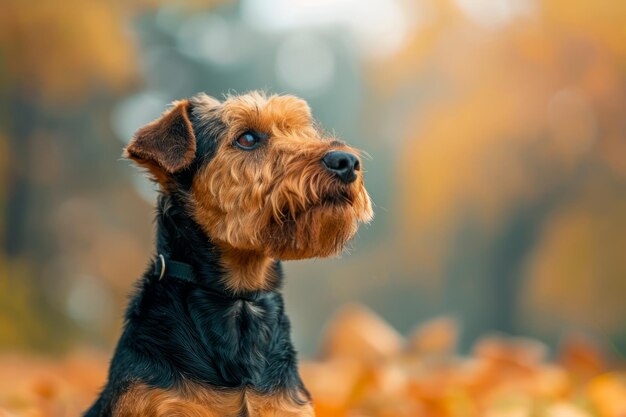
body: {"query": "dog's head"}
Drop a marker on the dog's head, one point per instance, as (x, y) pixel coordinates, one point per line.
(260, 176)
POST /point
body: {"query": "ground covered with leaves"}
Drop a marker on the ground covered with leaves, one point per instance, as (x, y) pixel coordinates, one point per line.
(365, 368)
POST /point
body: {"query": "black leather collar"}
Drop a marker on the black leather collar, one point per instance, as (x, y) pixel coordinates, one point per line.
(167, 268)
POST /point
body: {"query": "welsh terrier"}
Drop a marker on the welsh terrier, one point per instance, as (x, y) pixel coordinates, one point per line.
(243, 184)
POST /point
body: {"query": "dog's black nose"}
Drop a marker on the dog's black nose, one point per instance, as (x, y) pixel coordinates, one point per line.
(342, 164)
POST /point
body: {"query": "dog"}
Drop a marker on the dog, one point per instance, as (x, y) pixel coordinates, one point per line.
(244, 183)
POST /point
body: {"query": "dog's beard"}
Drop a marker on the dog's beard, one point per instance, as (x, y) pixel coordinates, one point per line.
(320, 230)
(315, 222)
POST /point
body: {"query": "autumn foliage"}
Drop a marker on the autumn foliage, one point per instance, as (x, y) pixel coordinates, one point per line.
(366, 368)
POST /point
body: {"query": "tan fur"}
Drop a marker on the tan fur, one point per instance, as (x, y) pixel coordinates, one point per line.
(270, 201)
(194, 400)
(246, 270)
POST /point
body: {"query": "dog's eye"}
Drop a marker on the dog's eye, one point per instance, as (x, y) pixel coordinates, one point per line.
(248, 141)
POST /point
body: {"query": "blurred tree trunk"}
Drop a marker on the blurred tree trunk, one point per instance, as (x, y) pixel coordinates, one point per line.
(23, 116)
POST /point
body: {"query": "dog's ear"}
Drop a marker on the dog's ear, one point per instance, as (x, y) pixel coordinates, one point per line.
(166, 145)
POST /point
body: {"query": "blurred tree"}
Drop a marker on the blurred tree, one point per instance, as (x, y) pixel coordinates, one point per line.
(529, 122)
(62, 67)
(53, 57)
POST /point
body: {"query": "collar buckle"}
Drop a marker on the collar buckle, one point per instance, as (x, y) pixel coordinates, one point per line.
(160, 258)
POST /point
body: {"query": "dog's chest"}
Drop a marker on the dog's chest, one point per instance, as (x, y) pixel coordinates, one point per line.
(246, 328)
(239, 339)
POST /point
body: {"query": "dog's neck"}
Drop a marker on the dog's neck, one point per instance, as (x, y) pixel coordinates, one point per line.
(214, 334)
(180, 238)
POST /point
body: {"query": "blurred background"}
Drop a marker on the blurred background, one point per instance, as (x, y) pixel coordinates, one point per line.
(496, 129)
